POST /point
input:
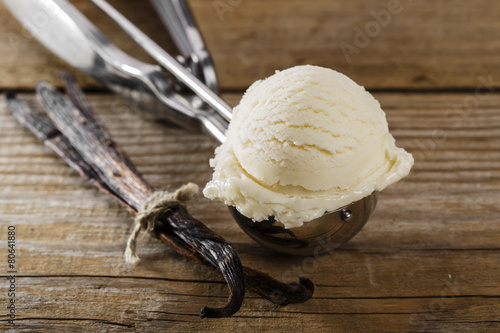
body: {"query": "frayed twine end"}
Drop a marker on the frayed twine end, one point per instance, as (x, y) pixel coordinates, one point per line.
(147, 216)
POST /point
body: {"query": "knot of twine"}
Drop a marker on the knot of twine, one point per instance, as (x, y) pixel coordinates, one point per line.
(151, 209)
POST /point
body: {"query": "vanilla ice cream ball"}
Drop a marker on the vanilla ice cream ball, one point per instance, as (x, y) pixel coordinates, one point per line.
(303, 142)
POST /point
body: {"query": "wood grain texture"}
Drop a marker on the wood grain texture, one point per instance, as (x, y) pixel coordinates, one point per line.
(425, 44)
(428, 260)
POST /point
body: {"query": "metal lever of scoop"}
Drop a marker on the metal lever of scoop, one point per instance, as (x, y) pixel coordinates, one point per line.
(167, 61)
(177, 18)
(72, 37)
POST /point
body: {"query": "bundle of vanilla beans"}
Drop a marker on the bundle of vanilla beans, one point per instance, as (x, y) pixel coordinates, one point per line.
(73, 132)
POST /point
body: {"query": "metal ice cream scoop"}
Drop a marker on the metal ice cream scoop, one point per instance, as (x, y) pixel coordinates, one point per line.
(316, 237)
(189, 99)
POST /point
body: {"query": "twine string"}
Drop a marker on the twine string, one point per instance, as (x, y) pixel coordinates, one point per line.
(151, 209)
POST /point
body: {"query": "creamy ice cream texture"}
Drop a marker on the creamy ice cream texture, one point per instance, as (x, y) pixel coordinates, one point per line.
(302, 142)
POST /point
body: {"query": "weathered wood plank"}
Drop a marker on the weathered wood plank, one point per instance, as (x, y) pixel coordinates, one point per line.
(174, 299)
(424, 44)
(428, 260)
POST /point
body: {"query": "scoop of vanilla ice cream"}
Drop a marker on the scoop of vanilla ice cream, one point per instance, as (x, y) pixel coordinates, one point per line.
(302, 142)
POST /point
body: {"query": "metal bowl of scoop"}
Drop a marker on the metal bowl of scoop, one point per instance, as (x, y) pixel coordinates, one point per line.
(316, 237)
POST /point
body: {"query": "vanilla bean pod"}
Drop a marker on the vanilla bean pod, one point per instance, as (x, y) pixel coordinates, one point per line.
(45, 131)
(79, 139)
(260, 283)
(98, 150)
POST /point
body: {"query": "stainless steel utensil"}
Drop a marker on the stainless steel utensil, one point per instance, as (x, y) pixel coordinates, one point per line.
(71, 36)
(316, 237)
(177, 17)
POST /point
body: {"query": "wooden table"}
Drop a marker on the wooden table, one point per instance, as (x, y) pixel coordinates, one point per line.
(428, 260)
